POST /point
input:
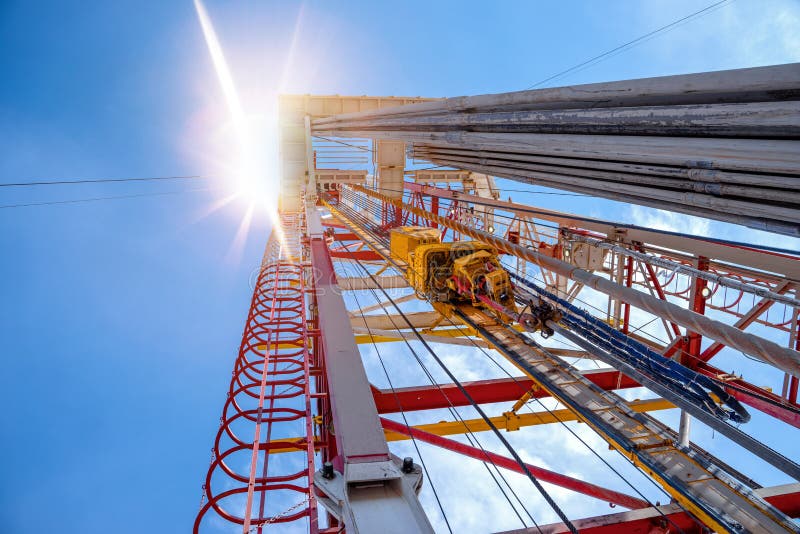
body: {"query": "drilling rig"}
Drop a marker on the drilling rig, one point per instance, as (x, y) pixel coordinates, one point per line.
(393, 232)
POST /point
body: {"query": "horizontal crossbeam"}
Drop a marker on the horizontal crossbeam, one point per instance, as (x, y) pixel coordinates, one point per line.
(482, 391)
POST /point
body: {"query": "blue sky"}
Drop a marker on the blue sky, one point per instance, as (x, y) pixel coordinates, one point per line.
(120, 318)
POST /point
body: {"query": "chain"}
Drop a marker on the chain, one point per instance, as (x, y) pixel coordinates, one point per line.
(278, 516)
(203, 494)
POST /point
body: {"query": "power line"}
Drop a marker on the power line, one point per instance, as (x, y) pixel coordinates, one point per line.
(102, 180)
(634, 42)
(94, 199)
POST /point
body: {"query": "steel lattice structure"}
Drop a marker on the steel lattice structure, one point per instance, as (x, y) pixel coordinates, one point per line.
(304, 434)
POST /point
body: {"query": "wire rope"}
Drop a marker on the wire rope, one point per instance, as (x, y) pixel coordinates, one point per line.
(524, 390)
(512, 378)
(483, 415)
(471, 438)
(403, 415)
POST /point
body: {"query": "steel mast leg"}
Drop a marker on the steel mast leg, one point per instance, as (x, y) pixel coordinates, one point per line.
(366, 487)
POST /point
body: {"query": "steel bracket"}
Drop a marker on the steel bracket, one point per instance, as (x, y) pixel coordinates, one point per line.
(360, 498)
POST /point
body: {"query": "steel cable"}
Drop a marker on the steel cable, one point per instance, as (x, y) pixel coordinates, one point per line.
(471, 438)
(483, 415)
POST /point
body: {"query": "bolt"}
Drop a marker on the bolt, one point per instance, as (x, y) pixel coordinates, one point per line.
(408, 464)
(327, 471)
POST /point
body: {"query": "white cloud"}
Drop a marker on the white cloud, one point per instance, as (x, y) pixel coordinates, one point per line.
(668, 220)
(762, 33)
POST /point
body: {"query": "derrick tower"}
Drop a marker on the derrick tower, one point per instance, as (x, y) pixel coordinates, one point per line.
(398, 242)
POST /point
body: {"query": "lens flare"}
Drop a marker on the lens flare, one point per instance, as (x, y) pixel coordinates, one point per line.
(221, 67)
(251, 177)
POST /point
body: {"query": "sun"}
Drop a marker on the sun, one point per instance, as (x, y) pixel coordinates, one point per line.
(254, 166)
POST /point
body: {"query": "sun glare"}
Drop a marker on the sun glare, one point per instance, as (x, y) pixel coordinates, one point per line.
(254, 170)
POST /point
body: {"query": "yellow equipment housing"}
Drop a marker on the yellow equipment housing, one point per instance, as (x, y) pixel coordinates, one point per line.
(431, 266)
(482, 273)
(403, 240)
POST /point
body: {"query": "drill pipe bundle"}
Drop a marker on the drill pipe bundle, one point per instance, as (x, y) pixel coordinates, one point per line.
(722, 145)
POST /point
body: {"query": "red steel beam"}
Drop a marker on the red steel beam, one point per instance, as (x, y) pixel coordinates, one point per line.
(794, 381)
(664, 519)
(747, 319)
(362, 255)
(359, 438)
(542, 474)
(759, 398)
(698, 304)
(434, 209)
(482, 391)
(346, 236)
(627, 305)
(651, 273)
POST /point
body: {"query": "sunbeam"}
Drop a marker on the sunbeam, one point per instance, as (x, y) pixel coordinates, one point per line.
(237, 246)
(214, 207)
(251, 178)
(223, 72)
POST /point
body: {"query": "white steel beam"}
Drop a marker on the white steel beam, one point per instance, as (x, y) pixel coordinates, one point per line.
(369, 490)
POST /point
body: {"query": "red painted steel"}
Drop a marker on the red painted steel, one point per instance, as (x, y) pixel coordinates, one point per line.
(698, 304)
(355, 422)
(793, 383)
(542, 474)
(666, 520)
(746, 320)
(269, 399)
(482, 391)
(651, 274)
(345, 236)
(626, 318)
(759, 398)
(750, 394)
(362, 255)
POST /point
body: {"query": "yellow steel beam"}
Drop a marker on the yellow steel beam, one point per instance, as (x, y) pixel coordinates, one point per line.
(509, 421)
(362, 339)
(512, 421)
(443, 332)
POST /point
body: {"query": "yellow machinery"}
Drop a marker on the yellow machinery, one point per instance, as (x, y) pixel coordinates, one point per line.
(448, 272)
